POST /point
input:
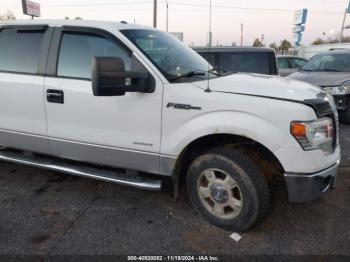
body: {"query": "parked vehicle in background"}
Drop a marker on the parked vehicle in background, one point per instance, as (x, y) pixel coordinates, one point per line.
(258, 60)
(132, 105)
(289, 64)
(331, 71)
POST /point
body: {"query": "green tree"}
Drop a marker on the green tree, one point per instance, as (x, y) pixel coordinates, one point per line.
(318, 41)
(8, 15)
(274, 46)
(285, 46)
(258, 43)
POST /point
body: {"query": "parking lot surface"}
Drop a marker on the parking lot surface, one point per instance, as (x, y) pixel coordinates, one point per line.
(46, 213)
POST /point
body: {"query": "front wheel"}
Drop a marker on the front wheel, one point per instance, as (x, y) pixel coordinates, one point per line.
(228, 189)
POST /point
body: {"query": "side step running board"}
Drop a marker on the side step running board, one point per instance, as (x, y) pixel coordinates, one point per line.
(81, 170)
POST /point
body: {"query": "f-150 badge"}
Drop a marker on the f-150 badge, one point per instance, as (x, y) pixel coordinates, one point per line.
(183, 106)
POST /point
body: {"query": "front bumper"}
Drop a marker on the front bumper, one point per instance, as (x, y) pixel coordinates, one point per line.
(307, 187)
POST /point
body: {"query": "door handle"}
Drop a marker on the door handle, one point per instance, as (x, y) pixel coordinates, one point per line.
(55, 96)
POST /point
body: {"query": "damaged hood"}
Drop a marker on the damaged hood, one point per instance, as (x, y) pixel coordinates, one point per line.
(263, 85)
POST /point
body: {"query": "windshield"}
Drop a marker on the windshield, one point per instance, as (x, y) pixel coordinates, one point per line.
(170, 56)
(329, 62)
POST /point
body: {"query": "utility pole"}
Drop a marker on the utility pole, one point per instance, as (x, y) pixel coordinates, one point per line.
(241, 34)
(167, 15)
(210, 32)
(155, 13)
(342, 27)
(347, 10)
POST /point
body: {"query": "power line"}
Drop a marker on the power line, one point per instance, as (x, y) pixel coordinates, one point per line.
(180, 4)
(250, 8)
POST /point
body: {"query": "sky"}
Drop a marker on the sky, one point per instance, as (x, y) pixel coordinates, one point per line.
(271, 18)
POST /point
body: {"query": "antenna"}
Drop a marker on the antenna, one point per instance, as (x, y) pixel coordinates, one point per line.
(209, 45)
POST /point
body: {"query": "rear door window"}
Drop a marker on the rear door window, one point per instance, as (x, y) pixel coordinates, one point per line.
(250, 62)
(20, 50)
(282, 63)
(296, 63)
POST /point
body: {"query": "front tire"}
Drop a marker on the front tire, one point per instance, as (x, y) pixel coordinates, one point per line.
(228, 189)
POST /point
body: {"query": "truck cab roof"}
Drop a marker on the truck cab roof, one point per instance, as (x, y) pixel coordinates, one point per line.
(86, 23)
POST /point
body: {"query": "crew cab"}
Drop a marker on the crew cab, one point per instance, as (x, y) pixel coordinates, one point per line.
(131, 105)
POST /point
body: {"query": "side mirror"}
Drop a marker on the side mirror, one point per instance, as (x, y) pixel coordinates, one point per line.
(109, 78)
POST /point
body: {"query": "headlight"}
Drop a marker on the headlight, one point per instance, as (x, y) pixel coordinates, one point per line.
(338, 90)
(313, 135)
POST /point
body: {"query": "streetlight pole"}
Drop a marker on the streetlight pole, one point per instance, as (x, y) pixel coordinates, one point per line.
(342, 27)
(210, 32)
(167, 15)
(347, 10)
(155, 13)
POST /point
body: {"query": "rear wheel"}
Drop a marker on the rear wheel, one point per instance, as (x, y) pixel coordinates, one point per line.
(228, 189)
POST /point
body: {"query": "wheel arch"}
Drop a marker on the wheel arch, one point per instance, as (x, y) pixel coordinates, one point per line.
(259, 153)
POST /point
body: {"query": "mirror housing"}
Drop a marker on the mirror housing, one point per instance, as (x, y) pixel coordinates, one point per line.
(109, 78)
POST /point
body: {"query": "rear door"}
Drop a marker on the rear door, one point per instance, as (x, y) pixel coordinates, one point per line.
(23, 53)
(121, 131)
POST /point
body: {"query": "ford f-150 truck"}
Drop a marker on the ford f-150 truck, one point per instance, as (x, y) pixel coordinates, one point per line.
(131, 105)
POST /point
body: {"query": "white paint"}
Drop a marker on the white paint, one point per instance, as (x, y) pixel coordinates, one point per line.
(22, 103)
(235, 106)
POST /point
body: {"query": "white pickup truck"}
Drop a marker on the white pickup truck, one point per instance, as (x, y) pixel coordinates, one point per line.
(132, 105)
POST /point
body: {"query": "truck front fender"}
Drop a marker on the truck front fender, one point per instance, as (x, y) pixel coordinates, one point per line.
(242, 124)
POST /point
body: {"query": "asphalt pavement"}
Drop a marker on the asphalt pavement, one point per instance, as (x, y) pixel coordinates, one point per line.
(47, 213)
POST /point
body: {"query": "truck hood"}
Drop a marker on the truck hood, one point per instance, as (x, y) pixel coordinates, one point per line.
(322, 78)
(262, 85)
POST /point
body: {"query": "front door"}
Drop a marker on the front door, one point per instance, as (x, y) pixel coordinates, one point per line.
(120, 131)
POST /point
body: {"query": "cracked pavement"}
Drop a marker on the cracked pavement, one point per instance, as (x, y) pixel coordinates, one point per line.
(43, 213)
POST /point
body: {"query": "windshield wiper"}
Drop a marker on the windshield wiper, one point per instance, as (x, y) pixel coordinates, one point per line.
(189, 74)
(196, 73)
(215, 71)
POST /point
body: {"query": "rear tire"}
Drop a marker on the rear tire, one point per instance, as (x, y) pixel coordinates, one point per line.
(228, 189)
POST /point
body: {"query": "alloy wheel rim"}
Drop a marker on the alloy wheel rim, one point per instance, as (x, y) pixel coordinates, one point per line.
(219, 194)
